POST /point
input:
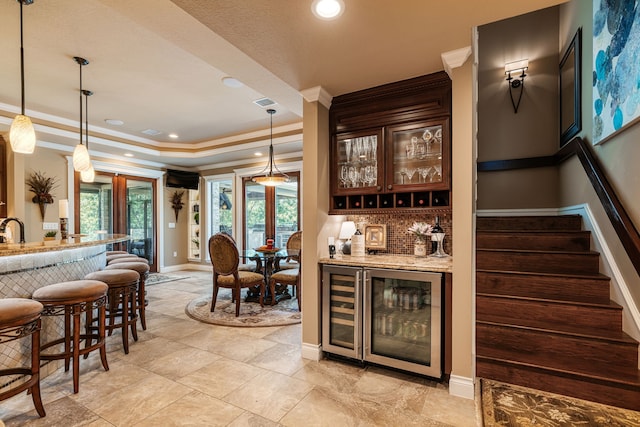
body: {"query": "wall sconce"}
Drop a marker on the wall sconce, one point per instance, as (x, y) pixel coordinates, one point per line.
(511, 70)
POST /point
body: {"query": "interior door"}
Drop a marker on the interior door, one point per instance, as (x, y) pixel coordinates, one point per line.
(119, 204)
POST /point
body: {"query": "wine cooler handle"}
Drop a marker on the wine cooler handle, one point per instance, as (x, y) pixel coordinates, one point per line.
(366, 323)
(357, 337)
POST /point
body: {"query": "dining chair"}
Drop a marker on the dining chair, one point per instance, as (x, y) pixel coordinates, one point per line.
(288, 277)
(225, 259)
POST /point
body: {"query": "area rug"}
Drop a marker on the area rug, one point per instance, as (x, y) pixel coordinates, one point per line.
(251, 314)
(513, 406)
(156, 278)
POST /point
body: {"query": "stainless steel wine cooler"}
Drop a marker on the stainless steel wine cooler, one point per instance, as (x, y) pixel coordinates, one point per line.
(387, 317)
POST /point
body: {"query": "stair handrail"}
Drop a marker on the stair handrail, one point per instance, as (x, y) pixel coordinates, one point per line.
(617, 214)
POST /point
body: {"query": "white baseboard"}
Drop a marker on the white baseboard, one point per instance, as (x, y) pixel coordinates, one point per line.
(311, 351)
(461, 387)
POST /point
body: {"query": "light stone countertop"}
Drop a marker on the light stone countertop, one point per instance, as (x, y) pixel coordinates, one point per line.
(392, 261)
(7, 249)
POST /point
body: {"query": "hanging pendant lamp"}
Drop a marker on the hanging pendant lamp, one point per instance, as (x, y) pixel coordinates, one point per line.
(267, 177)
(90, 174)
(22, 136)
(81, 160)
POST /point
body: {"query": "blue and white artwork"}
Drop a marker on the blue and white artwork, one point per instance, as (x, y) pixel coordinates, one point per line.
(616, 67)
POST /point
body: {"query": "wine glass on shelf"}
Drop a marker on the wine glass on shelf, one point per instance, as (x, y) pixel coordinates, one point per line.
(374, 148)
(347, 149)
(344, 176)
(424, 172)
(403, 173)
(410, 173)
(353, 176)
(438, 171)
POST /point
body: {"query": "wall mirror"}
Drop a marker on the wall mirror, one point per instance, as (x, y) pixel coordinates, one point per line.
(570, 90)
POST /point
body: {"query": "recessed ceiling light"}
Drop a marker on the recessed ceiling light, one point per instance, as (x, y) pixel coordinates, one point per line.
(173, 135)
(151, 132)
(128, 155)
(231, 82)
(257, 154)
(114, 122)
(327, 9)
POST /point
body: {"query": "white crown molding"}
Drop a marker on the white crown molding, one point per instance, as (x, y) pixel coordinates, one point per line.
(317, 94)
(455, 58)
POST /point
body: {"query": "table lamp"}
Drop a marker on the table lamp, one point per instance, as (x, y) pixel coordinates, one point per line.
(346, 231)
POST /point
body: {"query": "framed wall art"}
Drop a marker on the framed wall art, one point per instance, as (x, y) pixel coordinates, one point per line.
(375, 237)
(571, 90)
(616, 67)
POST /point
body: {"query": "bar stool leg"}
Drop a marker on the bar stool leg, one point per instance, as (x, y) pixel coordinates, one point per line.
(67, 337)
(76, 347)
(125, 317)
(101, 333)
(35, 363)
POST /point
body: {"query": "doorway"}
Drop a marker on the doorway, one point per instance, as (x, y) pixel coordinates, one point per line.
(119, 204)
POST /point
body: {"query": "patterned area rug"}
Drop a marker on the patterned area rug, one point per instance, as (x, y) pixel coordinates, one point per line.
(251, 314)
(156, 278)
(513, 406)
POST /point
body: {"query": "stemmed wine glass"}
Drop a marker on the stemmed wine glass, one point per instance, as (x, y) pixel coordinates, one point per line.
(344, 175)
(438, 170)
(347, 149)
(410, 173)
(424, 172)
(403, 173)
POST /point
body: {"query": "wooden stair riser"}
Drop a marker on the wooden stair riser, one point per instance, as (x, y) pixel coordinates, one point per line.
(564, 288)
(562, 352)
(608, 393)
(564, 222)
(560, 241)
(513, 310)
(541, 262)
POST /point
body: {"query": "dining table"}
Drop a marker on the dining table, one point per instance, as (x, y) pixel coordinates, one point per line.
(268, 262)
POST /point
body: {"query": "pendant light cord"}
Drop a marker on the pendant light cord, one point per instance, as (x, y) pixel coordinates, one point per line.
(21, 58)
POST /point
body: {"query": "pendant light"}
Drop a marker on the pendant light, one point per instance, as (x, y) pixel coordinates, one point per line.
(22, 136)
(90, 174)
(81, 160)
(267, 177)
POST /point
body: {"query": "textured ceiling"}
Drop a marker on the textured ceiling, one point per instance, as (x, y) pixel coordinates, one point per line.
(158, 64)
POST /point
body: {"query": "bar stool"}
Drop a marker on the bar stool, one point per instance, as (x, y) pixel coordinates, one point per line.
(143, 271)
(71, 299)
(19, 318)
(123, 286)
(116, 252)
(131, 258)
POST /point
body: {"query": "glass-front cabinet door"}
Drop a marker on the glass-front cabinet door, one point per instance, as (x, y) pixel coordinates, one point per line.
(418, 156)
(358, 163)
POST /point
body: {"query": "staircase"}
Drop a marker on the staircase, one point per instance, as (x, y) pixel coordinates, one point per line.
(543, 315)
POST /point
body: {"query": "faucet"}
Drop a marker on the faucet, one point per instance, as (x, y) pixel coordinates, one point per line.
(3, 228)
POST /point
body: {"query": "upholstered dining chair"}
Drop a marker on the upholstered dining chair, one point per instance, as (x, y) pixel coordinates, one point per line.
(294, 243)
(225, 259)
(288, 277)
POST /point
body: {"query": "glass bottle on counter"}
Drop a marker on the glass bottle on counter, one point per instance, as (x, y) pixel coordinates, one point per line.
(437, 229)
(357, 243)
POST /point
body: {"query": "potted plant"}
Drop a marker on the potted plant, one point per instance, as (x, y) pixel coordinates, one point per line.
(41, 185)
(176, 202)
(50, 235)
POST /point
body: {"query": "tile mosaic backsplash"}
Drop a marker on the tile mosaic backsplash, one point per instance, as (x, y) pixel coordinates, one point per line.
(399, 241)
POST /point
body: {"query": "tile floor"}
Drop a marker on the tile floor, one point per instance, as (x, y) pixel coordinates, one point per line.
(183, 372)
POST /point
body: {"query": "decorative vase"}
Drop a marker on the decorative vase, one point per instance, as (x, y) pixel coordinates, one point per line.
(439, 253)
(43, 209)
(420, 247)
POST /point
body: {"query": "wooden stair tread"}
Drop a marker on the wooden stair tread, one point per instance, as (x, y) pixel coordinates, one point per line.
(598, 276)
(611, 305)
(631, 378)
(538, 251)
(618, 336)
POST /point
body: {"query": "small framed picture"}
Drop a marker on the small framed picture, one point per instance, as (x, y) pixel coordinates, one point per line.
(375, 237)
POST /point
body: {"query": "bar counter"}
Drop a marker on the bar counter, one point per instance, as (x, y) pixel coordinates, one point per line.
(29, 266)
(393, 261)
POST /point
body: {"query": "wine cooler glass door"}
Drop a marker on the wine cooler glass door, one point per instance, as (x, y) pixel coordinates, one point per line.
(403, 320)
(341, 328)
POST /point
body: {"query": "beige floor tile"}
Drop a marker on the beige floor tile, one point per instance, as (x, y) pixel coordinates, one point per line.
(291, 334)
(453, 410)
(179, 363)
(339, 376)
(132, 404)
(211, 338)
(62, 412)
(221, 377)
(194, 409)
(146, 351)
(270, 395)
(240, 347)
(247, 419)
(283, 358)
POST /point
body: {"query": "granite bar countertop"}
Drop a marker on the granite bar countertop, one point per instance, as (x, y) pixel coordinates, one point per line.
(80, 240)
(392, 261)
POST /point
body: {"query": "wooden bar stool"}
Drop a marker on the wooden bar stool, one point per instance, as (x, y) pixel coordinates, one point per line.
(19, 318)
(123, 287)
(130, 258)
(71, 299)
(143, 271)
(116, 252)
